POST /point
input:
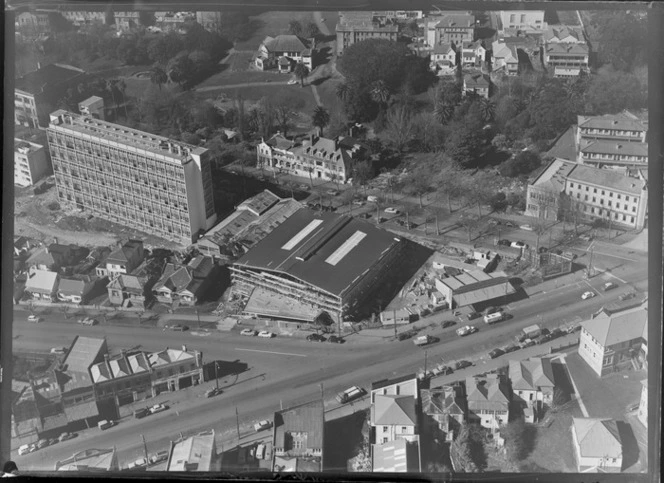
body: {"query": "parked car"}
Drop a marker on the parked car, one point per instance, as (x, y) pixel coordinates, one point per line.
(292, 82)
(141, 413)
(58, 350)
(158, 457)
(585, 237)
(405, 335)
(316, 338)
(87, 321)
(332, 192)
(262, 425)
(609, 286)
(372, 199)
(510, 224)
(213, 392)
(587, 295)
(249, 332)
(266, 334)
(335, 339)
(527, 343)
(555, 333)
(504, 242)
(366, 216)
(526, 227)
(382, 219)
(496, 353)
(462, 364)
(350, 394)
(542, 339)
(139, 464)
(392, 211)
(26, 449)
(445, 370)
(158, 408)
(179, 328)
(358, 202)
(105, 424)
(67, 436)
(627, 296)
(510, 348)
(448, 323)
(466, 330)
(473, 315)
(35, 319)
(43, 443)
(518, 244)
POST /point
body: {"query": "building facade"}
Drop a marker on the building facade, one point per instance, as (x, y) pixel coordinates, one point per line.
(131, 177)
(566, 60)
(522, 20)
(84, 17)
(284, 52)
(175, 369)
(394, 417)
(454, 29)
(488, 401)
(30, 163)
(442, 59)
(354, 27)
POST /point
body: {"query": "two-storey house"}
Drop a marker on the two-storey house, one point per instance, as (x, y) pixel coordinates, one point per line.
(476, 83)
(488, 401)
(175, 369)
(444, 411)
(451, 29)
(623, 127)
(185, 284)
(610, 343)
(597, 445)
(566, 60)
(128, 291)
(443, 59)
(284, 52)
(473, 54)
(532, 385)
(75, 290)
(42, 285)
(123, 260)
(394, 417)
(398, 386)
(297, 439)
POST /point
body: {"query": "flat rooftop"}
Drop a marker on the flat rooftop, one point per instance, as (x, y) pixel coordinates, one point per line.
(326, 250)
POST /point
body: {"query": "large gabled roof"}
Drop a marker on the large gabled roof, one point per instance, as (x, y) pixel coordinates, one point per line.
(620, 327)
(326, 250)
(442, 400)
(489, 393)
(285, 43)
(475, 80)
(597, 438)
(616, 148)
(532, 374)
(623, 121)
(41, 281)
(567, 48)
(124, 253)
(455, 21)
(390, 409)
(307, 418)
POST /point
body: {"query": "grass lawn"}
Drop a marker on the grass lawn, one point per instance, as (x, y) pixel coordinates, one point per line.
(327, 94)
(553, 449)
(272, 24)
(255, 93)
(568, 17)
(227, 77)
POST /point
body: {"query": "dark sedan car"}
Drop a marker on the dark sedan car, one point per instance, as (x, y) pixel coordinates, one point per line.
(462, 364)
(510, 348)
(179, 327)
(543, 339)
(496, 353)
(473, 315)
(504, 242)
(555, 333)
(448, 323)
(335, 339)
(316, 338)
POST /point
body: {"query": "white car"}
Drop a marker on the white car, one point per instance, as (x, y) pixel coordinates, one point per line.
(58, 350)
(392, 211)
(157, 408)
(249, 332)
(465, 330)
(587, 295)
(261, 425)
(34, 318)
(158, 457)
(292, 81)
(105, 424)
(139, 463)
(266, 334)
(26, 449)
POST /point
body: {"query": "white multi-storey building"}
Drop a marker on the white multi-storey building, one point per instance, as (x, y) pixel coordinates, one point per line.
(30, 162)
(132, 177)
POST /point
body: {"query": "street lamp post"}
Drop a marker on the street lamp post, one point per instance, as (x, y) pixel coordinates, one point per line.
(216, 377)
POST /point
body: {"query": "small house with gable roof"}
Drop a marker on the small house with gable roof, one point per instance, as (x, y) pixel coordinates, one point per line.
(394, 417)
(597, 445)
(185, 284)
(488, 401)
(532, 385)
(283, 52)
(123, 259)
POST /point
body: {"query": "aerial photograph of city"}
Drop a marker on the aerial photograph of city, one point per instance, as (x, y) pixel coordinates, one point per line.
(324, 239)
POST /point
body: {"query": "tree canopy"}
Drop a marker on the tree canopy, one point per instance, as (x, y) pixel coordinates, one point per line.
(623, 40)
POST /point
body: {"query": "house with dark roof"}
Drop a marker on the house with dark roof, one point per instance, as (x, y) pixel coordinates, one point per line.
(394, 417)
(444, 411)
(398, 386)
(597, 445)
(488, 401)
(122, 379)
(298, 437)
(442, 59)
(532, 385)
(56, 256)
(284, 52)
(75, 290)
(124, 259)
(566, 60)
(476, 83)
(610, 343)
(37, 92)
(185, 284)
(128, 291)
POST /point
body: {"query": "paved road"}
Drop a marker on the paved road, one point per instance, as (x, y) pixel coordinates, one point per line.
(292, 369)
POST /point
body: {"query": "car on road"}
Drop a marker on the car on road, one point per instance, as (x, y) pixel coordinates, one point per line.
(213, 392)
(372, 199)
(462, 364)
(35, 319)
(316, 338)
(139, 464)
(543, 339)
(391, 210)
(555, 333)
(158, 408)
(26, 449)
(518, 244)
(405, 335)
(448, 323)
(335, 339)
(587, 295)
(526, 227)
(67, 436)
(358, 202)
(609, 286)
(43, 443)
(510, 348)
(350, 394)
(504, 242)
(496, 353)
(585, 237)
(473, 315)
(141, 413)
(527, 343)
(292, 82)
(249, 332)
(87, 321)
(444, 370)
(366, 216)
(179, 327)
(510, 224)
(158, 457)
(627, 296)
(332, 192)
(266, 334)
(303, 187)
(262, 425)
(105, 424)
(466, 330)
(58, 350)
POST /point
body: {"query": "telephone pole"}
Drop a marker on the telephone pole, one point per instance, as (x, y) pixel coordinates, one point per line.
(216, 377)
(237, 422)
(321, 390)
(425, 363)
(590, 264)
(145, 448)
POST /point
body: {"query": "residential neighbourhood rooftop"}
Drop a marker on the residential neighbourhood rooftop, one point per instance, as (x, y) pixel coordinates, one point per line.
(620, 327)
(391, 409)
(622, 121)
(531, 374)
(597, 437)
(196, 453)
(613, 148)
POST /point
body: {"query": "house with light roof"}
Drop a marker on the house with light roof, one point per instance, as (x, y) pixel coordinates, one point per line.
(399, 386)
(42, 285)
(504, 58)
(90, 460)
(488, 401)
(185, 284)
(566, 60)
(473, 54)
(597, 445)
(563, 34)
(611, 343)
(123, 379)
(394, 417)
(284, 52)
(175, 369)
(450, 28)
(621, 127)
(442, 59)
(532, 385)
(195, 453)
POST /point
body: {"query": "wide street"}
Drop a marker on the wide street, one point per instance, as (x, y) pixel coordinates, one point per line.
(289, 371)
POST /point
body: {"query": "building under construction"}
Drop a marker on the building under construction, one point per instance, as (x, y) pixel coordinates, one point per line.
(316, 262)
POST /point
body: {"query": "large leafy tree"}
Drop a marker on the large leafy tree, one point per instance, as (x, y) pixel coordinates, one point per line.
(550, 111)
(623, 41)
(158, 76)
(301, 71)
(467, 450)
(400, 127)
(523, 163)
(320, 118)
(165, 47)
(295, 27)
(611, 92)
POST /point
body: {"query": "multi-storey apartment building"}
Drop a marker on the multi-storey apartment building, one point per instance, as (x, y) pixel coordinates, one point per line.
(454, 29)
(33, 23)
(125, 21)
(355, 27)
(566, 60)
(621, 127)
(590, 192)
(132, 177)
(524, 20)
(30, 162)
(84, 17)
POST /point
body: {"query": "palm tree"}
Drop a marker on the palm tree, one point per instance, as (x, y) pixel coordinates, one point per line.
(295, 27)
(487, 109)
(321, 118)
(343, 91)
(301, 71)
(158, 76)
(443, 111)
(379, 92)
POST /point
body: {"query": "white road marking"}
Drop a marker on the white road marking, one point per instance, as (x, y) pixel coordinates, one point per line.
(270, 352)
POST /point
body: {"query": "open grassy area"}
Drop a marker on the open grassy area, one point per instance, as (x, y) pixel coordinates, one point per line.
(273, 23)
(553, 449)
(255, 93)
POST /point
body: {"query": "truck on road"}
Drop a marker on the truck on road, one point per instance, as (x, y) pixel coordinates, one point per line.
(530, 332)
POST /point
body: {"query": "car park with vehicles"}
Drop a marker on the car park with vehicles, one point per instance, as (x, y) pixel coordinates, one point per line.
(158, 408)
(466, 330)
(262, 425)
(350, 394)
(266, 334)
(587, 295)
(316, 338)
(248, 332)
(158, 457)
(34, 319)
